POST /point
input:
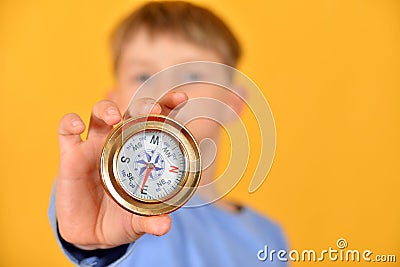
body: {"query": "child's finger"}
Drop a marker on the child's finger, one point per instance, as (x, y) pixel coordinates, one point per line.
(155, 225)
(104, 115)
(70, 128)
(173, 100)
(144, 106)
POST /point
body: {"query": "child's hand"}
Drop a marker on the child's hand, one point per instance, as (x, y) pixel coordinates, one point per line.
(87, 216)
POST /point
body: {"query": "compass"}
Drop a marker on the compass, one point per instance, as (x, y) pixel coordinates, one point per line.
(150, 165)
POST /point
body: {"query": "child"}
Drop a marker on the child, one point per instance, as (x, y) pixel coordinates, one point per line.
(91, 228)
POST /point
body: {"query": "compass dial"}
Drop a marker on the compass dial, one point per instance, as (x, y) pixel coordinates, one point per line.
(151, 165)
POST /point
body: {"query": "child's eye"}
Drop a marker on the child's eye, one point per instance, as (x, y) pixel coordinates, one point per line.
(141, 78)
(192, 76)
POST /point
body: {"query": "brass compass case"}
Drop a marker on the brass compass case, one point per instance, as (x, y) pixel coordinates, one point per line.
(111, 178)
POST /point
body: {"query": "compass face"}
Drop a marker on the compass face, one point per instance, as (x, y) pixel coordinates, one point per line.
(151, 165)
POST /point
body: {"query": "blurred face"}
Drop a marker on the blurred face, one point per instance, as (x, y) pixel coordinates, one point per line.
(145, 55)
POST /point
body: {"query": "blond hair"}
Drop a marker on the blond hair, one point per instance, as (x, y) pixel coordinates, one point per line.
(195, 24)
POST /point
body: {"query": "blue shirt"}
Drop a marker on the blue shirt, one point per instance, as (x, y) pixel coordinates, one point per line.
(200, 236)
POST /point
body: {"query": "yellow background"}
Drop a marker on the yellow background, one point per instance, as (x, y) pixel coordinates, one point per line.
(329, 69)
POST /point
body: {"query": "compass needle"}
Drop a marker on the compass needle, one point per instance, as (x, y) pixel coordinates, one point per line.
(146, 176)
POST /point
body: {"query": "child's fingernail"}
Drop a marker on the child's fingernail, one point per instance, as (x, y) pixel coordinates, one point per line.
(180, 93)
(180, 96)
(112, 111)
(146, 106)
(76, 123)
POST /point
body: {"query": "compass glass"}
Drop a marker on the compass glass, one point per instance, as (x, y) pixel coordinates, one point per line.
(151, 165)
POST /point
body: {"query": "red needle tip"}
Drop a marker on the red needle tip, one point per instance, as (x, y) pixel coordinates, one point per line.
(146, 175)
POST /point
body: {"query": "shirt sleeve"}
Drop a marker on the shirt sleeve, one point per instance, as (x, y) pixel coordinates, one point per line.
(86, 258)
